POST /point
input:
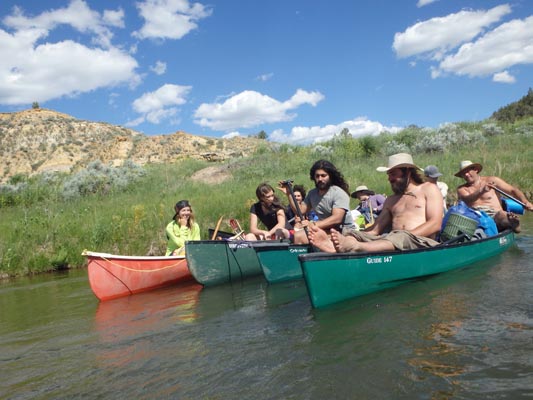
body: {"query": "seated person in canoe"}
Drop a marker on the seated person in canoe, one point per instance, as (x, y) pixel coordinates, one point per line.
(181, 228)
(299, 195)
(410, 219)
(370, 203)
(329, 200)
(270, 212)
(432, 174)
(479, 192)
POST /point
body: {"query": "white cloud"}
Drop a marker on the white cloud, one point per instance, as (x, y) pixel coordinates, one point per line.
(160, 105)
(159, 68)
(438, 35)
(169, 19)
(249, 108)
(507, 45)
(305, 135)
(230, 135)
(422, 3)
(265, 77)
(504, 77)
(114, 18)
(33, 69)
(78, 15)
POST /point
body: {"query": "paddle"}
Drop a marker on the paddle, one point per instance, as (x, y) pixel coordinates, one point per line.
(217, 228)
(288, 183)
(508, 195)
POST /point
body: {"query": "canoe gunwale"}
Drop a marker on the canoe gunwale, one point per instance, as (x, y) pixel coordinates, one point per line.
(317, 256)
(268, 246)
(121, 257)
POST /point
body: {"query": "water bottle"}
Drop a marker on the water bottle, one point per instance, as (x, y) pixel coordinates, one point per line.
(313, 216)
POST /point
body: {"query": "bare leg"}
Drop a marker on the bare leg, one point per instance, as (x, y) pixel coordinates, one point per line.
(505, 220)
(300, 237)
(319, 238)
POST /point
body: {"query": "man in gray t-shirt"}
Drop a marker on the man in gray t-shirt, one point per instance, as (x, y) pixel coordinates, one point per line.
(329, 200)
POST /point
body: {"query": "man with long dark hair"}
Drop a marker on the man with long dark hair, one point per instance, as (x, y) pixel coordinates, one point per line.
(329, 200)
(410, 219)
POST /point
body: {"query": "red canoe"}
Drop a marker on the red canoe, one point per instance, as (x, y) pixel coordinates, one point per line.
(112, 276)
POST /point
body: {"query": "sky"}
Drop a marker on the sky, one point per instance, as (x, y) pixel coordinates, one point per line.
(299, 70)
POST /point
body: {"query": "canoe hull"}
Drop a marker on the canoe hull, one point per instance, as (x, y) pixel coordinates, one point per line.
(213, 262)
(279, 261)
(331, 278)
(112, 276)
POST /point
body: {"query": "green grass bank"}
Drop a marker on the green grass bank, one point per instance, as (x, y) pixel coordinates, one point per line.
(43, 229)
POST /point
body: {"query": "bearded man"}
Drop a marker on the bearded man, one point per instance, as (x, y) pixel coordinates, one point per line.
(410, 219)
(329, 200)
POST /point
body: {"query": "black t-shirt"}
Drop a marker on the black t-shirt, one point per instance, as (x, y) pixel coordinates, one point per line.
(270, 219)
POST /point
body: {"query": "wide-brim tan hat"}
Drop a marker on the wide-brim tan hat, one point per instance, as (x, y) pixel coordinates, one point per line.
(400, 160)
(362, 189)
(467, 164)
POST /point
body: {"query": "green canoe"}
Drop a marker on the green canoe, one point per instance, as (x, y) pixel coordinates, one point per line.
(331, 278)
(213, 262)
(279, 260)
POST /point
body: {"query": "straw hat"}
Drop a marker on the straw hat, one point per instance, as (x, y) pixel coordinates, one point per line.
(362, 189)
(400, 160)
(432, 171)
(467, 164)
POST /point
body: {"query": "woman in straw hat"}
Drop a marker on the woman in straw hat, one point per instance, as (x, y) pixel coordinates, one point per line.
(370, 203)
(478, 192)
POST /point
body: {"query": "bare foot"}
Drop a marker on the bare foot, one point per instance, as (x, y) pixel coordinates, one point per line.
(319, 238)
(344, 244)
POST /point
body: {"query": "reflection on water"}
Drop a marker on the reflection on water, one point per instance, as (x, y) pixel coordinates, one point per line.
(462, 335)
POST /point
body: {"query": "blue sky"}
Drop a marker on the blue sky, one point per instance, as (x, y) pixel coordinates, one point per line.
(300, 70)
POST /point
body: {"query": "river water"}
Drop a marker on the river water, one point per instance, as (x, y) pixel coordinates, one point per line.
(466, 334)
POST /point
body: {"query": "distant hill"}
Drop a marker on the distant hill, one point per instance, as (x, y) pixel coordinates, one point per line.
(522, 108)
(38, 140)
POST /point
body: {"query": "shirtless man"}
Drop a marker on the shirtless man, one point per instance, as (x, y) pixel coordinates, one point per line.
(413, 215)
(479, 194)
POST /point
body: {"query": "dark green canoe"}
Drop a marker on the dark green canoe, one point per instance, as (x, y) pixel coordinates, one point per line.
(331, 278)
(279, 260)
(213, 262)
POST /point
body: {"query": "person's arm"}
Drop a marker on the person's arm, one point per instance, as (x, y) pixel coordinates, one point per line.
(510, 189)
(303, 206)
(335, 219)
(175, 234)
(254, 228)
(377, 202)
(383, 222)
(434, 213)
(280, 215)
(195, 232)
(469, 198)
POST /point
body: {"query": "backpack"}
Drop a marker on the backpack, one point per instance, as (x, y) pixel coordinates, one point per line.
(461, 219)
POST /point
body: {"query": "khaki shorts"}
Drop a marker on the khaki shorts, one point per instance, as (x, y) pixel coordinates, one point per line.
(401, 240)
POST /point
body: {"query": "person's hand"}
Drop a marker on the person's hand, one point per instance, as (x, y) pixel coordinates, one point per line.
(183, 221)
(282, 186)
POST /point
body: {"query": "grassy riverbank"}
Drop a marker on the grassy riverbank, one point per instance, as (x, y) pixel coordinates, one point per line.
(42, 229)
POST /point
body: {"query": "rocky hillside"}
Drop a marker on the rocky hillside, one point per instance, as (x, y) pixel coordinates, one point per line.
(38, 140)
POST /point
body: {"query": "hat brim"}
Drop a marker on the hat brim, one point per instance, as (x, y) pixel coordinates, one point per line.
(369, 192)
(404, 165)
(434, 175)
(477, 166)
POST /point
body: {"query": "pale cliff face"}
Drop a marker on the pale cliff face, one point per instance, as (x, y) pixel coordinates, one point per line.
(38, 140)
